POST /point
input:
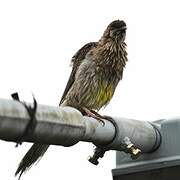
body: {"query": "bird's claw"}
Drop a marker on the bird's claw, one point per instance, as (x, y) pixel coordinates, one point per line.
(101, 121)
(95, 115)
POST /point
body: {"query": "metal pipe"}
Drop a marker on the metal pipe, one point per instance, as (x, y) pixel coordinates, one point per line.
(66, 126)
(141, 134)
(55, 125)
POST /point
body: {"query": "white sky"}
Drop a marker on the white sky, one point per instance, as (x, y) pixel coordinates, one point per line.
(37, 41)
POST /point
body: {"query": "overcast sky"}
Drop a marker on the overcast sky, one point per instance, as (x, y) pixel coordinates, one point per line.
(37, 41)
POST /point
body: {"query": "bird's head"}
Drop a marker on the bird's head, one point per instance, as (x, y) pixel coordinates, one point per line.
(116, 31)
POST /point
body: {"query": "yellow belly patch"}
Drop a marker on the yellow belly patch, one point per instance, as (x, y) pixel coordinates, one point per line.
(104, 94)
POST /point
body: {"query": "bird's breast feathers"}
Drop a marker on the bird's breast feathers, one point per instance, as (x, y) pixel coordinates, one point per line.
(104, 94)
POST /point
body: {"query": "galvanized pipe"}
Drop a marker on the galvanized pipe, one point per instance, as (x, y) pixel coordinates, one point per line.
(66, 126)
(56, 125)
(142, 134)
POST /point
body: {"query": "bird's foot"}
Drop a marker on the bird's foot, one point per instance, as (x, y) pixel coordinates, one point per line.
(94, 115)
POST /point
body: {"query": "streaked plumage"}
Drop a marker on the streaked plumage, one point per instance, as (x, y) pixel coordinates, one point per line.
(98, 74)
(97, 69)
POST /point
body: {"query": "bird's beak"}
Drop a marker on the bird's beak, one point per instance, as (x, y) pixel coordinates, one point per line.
(123, 28)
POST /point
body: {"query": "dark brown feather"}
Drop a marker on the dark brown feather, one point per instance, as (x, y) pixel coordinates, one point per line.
(77, 60)
(35, 152)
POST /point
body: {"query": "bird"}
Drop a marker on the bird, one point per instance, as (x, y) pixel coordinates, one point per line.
(97, 69)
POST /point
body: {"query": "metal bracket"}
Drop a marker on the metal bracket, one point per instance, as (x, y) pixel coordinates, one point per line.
(98, 153)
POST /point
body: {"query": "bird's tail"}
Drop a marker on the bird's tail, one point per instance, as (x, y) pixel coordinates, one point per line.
(35, 152)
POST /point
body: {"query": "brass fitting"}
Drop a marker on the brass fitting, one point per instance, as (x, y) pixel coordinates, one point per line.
(131, 149)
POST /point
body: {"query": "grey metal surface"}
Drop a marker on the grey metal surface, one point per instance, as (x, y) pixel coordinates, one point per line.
(66, 126)
(167, 156)
(168, 173)
(142, 134)
(56, 125)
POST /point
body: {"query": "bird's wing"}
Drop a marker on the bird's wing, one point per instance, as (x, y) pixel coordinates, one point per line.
(76, 61)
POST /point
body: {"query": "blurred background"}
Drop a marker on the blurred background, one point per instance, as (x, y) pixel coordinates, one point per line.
(38, 39)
